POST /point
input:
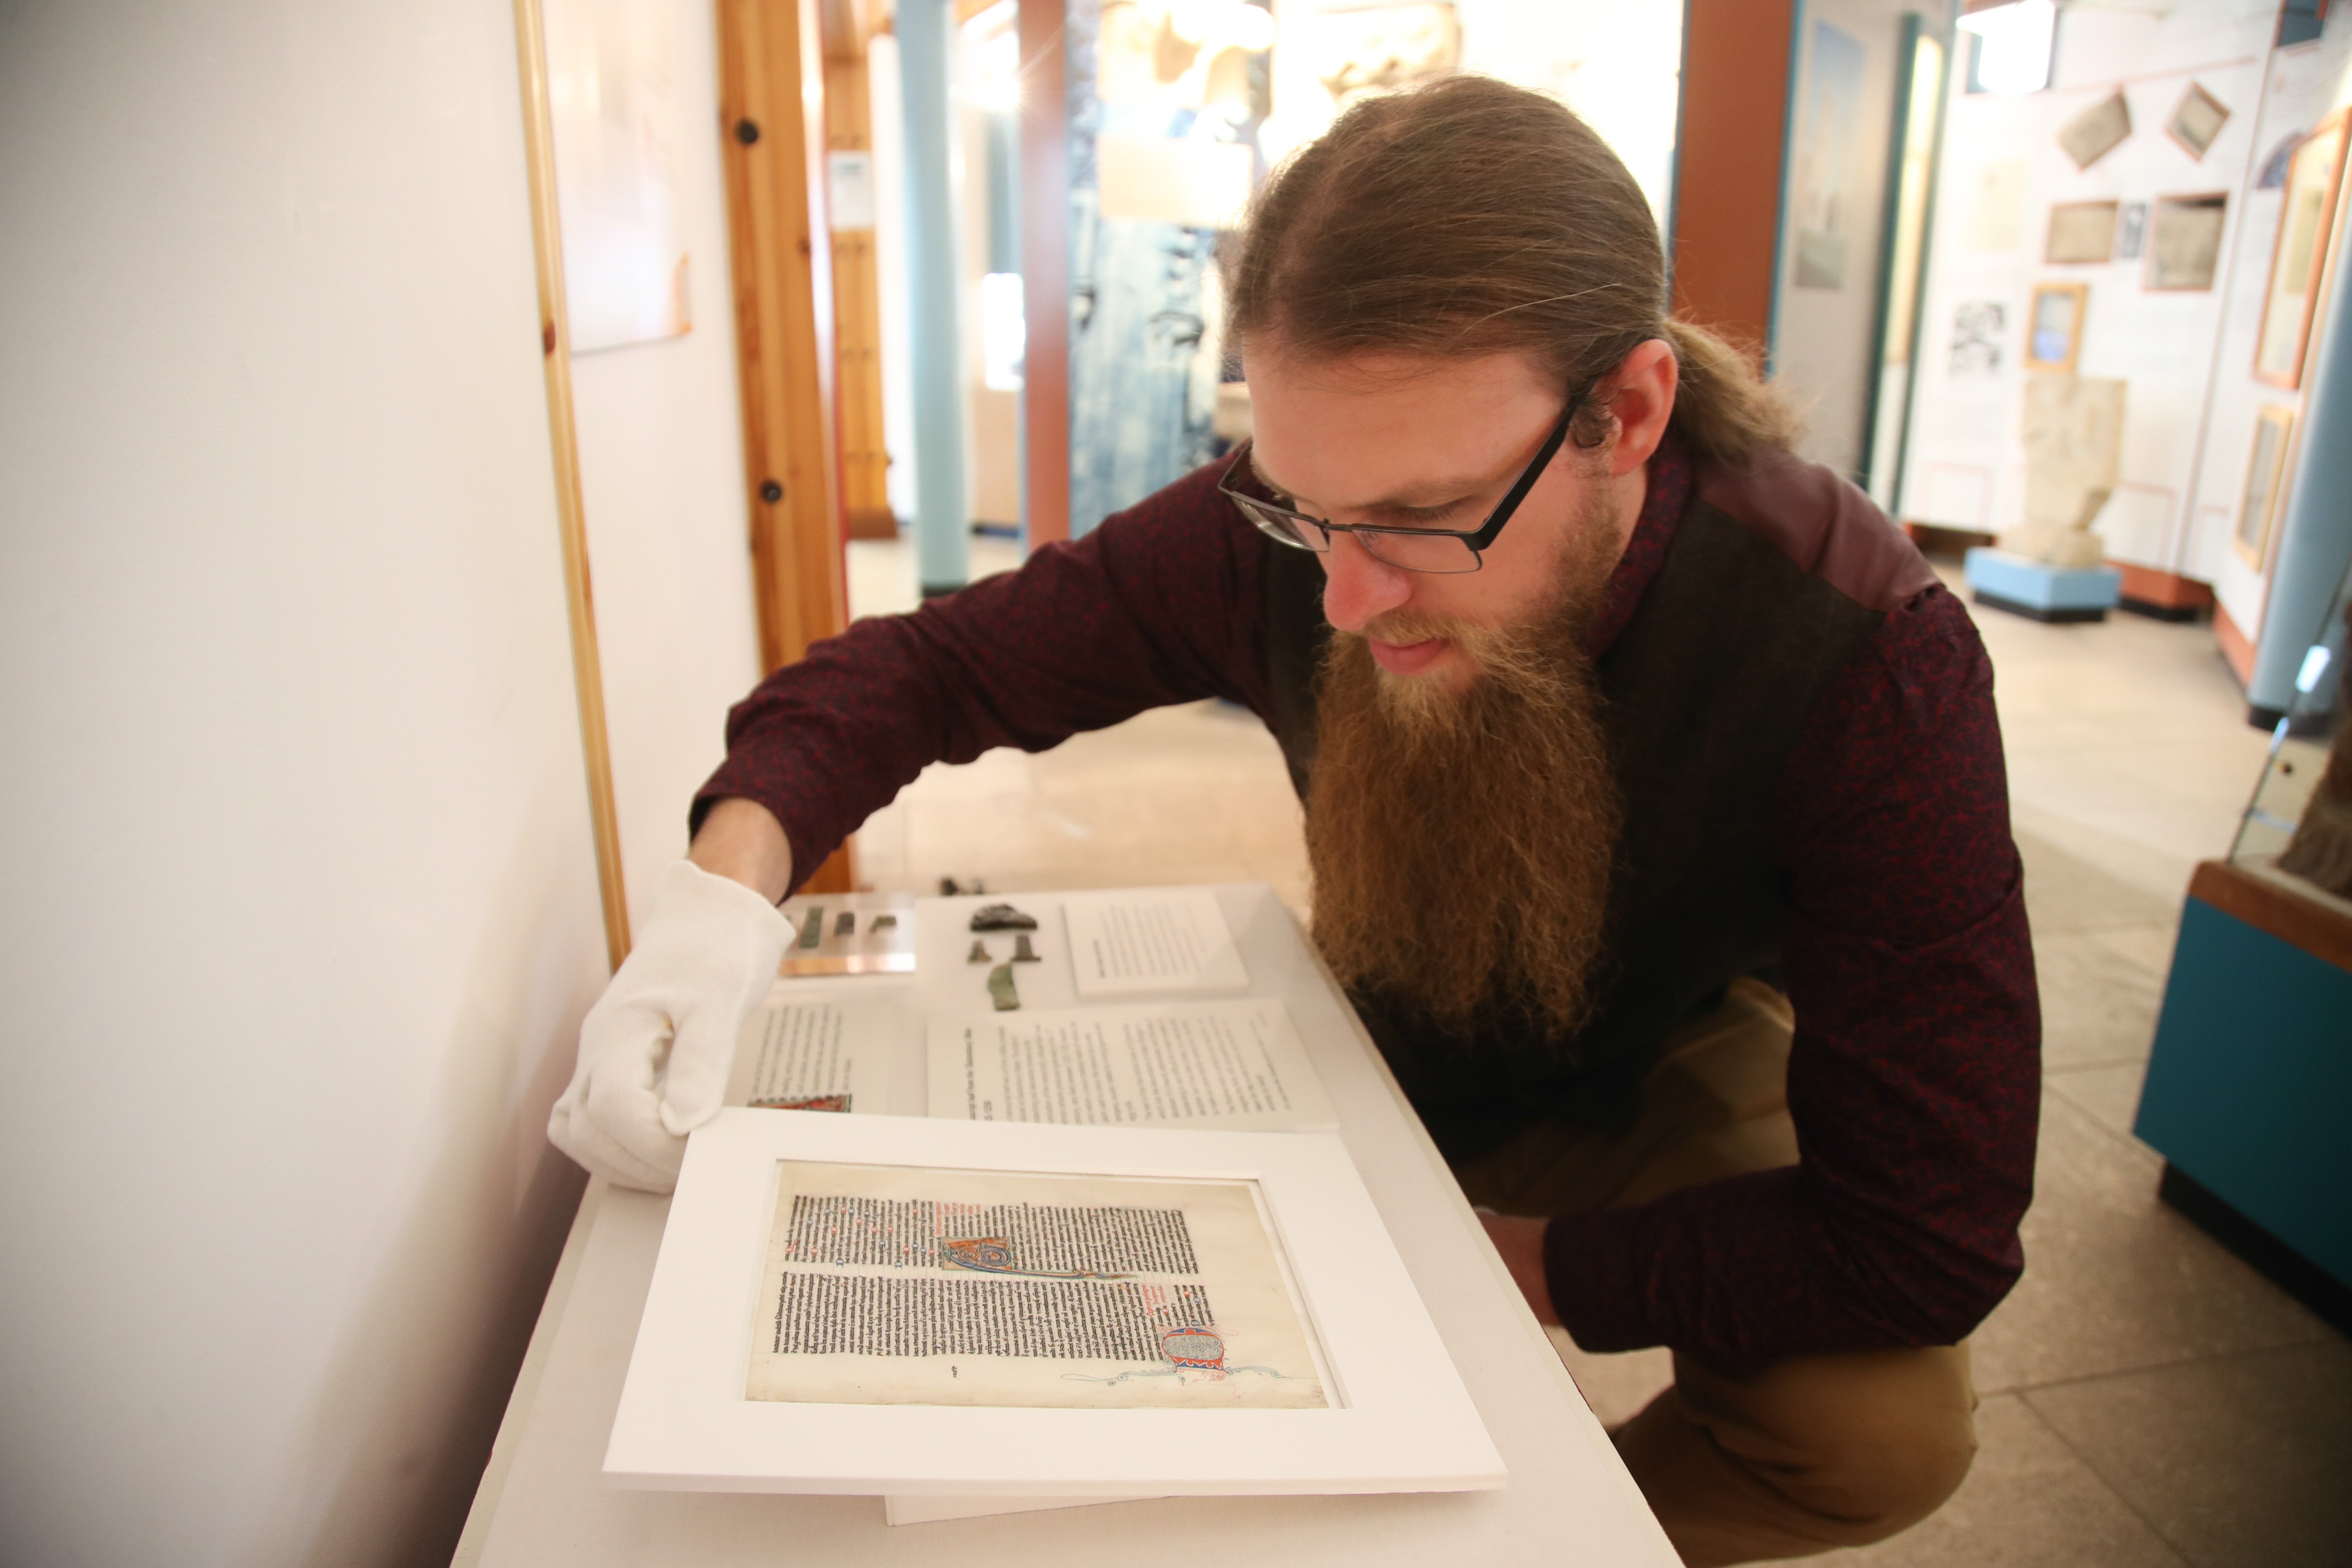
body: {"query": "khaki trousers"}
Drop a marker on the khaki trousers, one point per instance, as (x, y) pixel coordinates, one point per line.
(1811, 1452)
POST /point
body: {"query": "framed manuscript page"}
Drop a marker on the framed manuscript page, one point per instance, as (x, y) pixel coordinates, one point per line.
(2299, 260)
(918, 1307)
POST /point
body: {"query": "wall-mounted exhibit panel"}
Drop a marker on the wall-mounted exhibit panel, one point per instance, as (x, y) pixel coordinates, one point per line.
(2285, 233)
(1852, 66)
(2090, 228)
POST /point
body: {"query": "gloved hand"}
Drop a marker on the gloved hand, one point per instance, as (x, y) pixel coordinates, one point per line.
(656, 1047)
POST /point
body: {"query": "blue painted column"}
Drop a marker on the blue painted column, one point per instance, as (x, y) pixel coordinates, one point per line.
(942, 526)
(2317, 539)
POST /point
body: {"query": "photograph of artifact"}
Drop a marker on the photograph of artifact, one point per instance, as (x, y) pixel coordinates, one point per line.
(2265, 471)
(2184, 244)
(2196, 121)
(1977, 328)
(2096, 132)
(610, 66)
(2081, 232)
(1823, 156)
(2131, 231)
(891, 1285)
(2306, 215)
(2053, 330)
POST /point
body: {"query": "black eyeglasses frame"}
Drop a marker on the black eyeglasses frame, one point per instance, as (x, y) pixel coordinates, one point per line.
(1477, 540)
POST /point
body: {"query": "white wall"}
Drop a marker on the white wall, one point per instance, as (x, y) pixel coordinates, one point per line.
(2305, 83)
(661, 473)
(1965, 465)
(299, 914)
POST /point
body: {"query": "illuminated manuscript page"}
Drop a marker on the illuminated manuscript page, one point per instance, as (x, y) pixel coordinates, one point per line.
(898, 1285)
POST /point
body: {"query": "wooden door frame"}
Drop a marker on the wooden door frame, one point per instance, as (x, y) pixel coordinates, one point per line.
(772, 137)
(1728, 151)
(1045, 271)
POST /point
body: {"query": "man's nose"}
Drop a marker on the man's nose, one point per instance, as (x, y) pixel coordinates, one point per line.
(1358, 589)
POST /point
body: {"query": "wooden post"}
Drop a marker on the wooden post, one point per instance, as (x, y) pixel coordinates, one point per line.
(771, 109)
(1045, 268)
(555, 353)
(1729, 147)
(856, 288)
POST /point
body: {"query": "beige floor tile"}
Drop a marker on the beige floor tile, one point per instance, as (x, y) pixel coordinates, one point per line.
(2066, 891)
(2029, 1502)
(2109, 1094)
(2148, 946)
(2097, 1005)
(1615, 1387)
(2241, 1461)
(2116, 1281)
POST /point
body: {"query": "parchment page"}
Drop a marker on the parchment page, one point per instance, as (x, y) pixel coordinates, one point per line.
(1235, 1065)
(800, 1055)
(894, 1285)
(1151, 941)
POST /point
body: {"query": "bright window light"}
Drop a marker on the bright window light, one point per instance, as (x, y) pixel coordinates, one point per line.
(1003, 332)
(2015, 56)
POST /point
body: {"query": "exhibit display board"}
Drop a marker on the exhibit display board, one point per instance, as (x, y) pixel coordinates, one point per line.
(2101, 227)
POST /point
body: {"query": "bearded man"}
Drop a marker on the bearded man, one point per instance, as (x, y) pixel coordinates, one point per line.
(1655, 801)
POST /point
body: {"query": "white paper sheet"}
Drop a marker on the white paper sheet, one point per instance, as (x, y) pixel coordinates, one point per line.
(1150, 942)
(1235, 1065)
(795, 1054)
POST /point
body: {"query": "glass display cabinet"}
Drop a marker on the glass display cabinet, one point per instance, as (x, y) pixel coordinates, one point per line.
(2250, 1080)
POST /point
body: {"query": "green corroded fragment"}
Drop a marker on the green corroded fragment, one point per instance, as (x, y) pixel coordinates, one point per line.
(1000, 988)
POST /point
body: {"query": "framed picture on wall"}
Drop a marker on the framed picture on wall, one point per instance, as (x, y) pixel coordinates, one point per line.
(2196, 120)
(2054, 327)
(2097, 131)
(2265, 474)
(2080, 232)
(2184, 241)
(2131, 231)
(2314, 171)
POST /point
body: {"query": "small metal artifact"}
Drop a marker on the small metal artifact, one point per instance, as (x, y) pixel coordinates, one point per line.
(1022, 953)
(847, 925)
(1000, 990)
(814, 930)
(978, 953)
(1002, 917)
(882, 923)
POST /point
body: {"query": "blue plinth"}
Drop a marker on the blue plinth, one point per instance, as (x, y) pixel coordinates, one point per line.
(2044, 592)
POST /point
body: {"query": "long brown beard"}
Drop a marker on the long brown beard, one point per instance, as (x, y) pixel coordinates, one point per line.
(1461, 842)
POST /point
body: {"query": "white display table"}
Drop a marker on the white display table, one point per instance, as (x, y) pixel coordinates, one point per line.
(544, 1502)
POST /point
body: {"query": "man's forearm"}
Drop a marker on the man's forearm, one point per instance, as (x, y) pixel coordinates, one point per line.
(742, 839)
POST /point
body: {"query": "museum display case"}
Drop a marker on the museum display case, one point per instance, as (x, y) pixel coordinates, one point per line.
(2251, 1067)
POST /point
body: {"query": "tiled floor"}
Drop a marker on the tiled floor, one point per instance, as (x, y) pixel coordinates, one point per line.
(2147, 1398)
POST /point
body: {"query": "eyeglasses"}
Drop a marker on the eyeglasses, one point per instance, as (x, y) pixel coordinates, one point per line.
(1442, 549)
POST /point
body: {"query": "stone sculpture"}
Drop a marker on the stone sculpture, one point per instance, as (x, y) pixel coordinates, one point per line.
(2073, 456)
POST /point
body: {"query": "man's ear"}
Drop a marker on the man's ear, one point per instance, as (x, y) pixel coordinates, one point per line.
(1641, 399)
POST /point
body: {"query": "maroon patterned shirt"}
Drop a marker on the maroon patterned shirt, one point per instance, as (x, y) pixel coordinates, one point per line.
(1914, 1080)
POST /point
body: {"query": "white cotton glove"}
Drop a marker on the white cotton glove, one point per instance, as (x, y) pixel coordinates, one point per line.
(655, 1048)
